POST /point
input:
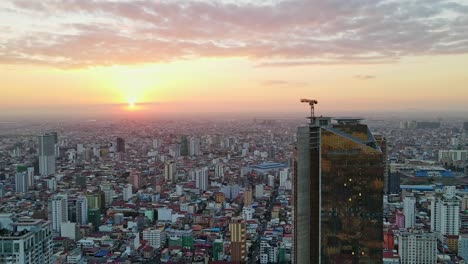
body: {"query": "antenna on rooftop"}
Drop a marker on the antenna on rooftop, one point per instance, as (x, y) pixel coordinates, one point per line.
(312, 104)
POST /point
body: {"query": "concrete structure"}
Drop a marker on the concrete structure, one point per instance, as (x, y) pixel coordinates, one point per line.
(170, 171)
(238, 241)
(409, 210)
(445, 215)
(25, 241)
(155, 237)
(82, 210)
(331, 197)
(127, 192)
(417, 247)
(201, 178)
(58, 211)
(21, 182)
(46, 153)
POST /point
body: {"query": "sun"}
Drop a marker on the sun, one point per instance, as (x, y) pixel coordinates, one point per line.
(131, 104)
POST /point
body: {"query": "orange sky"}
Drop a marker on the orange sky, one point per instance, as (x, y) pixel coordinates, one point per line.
(80, 56)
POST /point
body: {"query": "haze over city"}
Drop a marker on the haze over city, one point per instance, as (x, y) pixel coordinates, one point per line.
(89, 59)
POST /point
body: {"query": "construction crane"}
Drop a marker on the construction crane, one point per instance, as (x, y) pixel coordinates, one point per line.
(312, 104)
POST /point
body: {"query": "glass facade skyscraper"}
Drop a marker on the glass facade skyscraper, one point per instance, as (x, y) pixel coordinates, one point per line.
(338, 193)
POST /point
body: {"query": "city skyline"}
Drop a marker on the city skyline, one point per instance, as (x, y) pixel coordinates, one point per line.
(85, 58)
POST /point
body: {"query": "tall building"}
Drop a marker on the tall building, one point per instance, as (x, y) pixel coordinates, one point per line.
(417, 247)
(170, 171)
(409, 210)
(238, 241)
(194, 146)
(259, 191)
(30, 173)
(82, 210)
(201, 178)
(127, 192)
(338, 193)
(445, 215)
(184, 146)
(47, 153)
(21, 182)
(120, 147)
(58, 211)
(155, 237)
(25, 241)
(94, 217)
(108, 190)
(136, 180)
(248, 196)
(382, 142)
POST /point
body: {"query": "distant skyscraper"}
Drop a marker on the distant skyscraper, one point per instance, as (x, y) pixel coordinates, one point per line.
(30, 177)
(170, 171)
(108, 190)
(338, 193)
(47, 153)
(409, 208)
(194, 146)
(58, 211)
(120, 147)
(201, 176)
(248, 196)
(82, 210)
(135, 180)
(21, 182)
(259, 191)
(184, 146)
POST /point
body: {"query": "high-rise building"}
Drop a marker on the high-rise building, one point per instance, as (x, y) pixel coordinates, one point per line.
(127, 192)
(82, 210)
(382, 142)
(417, 247)
(219, 171)
(194, 146)
(409, 210)
(184, 146)
(120, 147)
(170, 171)
(30, 173)
(47, 153)
(445, 215)
(135, 179)
(238, 241)
(248, 196)
(259, 191)
(338, 193)
(25, 241)
(94, 217)
(58, 211)
(155, 237)
(21, 182)
(201, 178)
(284, 174)
(108, 190)
(463, 246)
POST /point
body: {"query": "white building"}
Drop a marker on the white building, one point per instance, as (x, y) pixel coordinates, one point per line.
(445, 215)
(454, 155)
(127, 192)
(194, 147)
(201, 177)
(108, 190)
(463, 246)
(247, 213)
(283, 177)
(33, 243)
(155, 237)
(58, 211)
(21, 182)
(259, 191)
(271, 180)
(47, 153)
(417, 247)
(70, 230)
(82, 210)
(409, 210)
(164, 214)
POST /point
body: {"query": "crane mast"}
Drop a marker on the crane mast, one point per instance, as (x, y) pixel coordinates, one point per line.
(312, 104)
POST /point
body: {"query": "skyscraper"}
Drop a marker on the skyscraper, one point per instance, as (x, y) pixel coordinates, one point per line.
(338, 193)
(46, 153)
(120, 147)
(170, 170)
(409, 208)
(82, 210)
(184, 146)
(201, 176)
(58, 211)
(21, 182)
(238, 240)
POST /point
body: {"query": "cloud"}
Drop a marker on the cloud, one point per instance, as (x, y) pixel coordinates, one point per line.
(81, 33)
(364, 77)
(282, 83)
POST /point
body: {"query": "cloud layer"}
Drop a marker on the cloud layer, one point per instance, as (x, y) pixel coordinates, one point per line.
(81, 33)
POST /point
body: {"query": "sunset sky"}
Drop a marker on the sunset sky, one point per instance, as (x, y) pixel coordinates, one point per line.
(84, 57)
